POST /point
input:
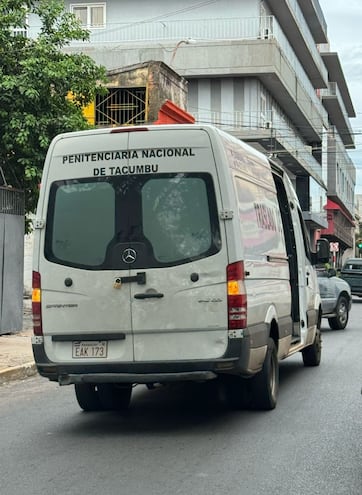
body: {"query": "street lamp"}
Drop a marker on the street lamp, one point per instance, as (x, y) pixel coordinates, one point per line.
(187, 41)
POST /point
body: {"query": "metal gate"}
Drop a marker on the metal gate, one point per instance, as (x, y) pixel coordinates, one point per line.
(121, 106)
(11, 259)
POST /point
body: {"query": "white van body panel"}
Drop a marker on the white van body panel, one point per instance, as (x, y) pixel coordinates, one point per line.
(188, 320)
(88, 306)
(191, 317)
(257, 226)
(147, 281)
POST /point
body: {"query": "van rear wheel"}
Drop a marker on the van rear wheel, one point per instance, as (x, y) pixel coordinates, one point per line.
(312, 354)
(264, 386)
(114, 397)
(87, 396)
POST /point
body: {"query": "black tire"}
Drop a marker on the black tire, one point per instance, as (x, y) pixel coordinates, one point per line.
(114, 397)
(87, 396)
(265, 385)
(340, 321)
(312, 354)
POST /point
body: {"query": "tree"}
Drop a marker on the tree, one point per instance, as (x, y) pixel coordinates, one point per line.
(36, 78)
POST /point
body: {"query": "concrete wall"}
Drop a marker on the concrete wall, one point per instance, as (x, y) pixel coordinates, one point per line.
(11, 272)
(160, 81)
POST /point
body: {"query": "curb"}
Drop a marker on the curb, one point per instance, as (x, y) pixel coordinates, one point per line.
(17, 372)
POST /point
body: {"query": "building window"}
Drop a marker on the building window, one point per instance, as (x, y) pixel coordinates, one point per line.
(92, 15)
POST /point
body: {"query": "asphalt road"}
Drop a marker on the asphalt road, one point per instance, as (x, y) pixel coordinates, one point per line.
(181, 442)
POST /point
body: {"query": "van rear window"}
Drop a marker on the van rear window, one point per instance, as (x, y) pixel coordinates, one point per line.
(165, 219)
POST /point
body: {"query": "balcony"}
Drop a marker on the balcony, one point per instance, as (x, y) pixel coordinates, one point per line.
(341, 173)
(293, 22)
(333, 102)
(317, 24)
(272, 134)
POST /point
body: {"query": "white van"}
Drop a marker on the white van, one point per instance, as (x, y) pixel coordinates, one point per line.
(169, 253)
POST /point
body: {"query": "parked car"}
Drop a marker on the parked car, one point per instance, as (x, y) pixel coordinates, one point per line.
(336, 298)
(352, 273)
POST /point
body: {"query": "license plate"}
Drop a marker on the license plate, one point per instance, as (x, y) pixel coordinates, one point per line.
(83, 349)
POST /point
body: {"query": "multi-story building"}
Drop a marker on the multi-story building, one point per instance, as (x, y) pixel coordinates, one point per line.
(261, 70)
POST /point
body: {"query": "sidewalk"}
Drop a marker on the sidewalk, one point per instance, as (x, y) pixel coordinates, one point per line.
(16, 355)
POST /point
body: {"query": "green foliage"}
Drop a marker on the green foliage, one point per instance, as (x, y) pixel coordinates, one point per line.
(36, 76)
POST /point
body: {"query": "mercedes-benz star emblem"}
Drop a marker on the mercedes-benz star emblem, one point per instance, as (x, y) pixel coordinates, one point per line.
(129, 255)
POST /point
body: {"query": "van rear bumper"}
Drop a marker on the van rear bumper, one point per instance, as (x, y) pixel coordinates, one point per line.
(236, 363)
(144, 372)
(194, 376)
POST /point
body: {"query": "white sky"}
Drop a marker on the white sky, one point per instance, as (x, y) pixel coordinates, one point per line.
(344, 28)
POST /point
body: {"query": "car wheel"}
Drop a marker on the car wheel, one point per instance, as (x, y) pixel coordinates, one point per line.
(340, 321)
(264, 386)
(87, 396)
(114, 397)
(312, 354)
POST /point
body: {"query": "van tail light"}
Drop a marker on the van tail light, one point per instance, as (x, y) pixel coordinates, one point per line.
(237, 299)
(36, 305)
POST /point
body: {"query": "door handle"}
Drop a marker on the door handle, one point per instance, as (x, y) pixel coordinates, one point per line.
(148, 295)
(140, 278)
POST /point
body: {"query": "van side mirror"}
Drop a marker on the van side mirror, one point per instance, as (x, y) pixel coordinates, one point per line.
(322, 254)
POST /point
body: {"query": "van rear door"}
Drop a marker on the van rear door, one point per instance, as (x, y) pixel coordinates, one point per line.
(181, 311)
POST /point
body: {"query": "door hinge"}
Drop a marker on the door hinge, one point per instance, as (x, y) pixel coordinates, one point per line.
(226, 214)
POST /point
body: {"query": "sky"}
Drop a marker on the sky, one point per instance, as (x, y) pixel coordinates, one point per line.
(344, 28)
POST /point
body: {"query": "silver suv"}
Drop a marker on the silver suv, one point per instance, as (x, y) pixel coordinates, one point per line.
(336, 298)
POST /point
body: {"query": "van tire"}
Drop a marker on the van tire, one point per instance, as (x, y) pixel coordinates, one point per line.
(340, 321)
(265, 385)
(87, 397)
(312, 354)
(114, 397)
